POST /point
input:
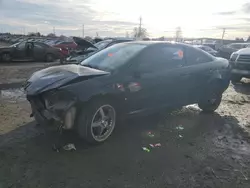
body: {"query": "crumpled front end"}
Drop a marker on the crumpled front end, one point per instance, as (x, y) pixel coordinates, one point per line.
(55, 106)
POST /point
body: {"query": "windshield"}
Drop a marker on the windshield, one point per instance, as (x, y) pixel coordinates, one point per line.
(102, 44)
(113, 57)
(206, 48)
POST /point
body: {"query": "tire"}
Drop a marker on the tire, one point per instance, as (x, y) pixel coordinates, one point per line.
(49, 58)
(210, 105)
(92, 113)
(236, 78)
(62, 61)
(6, 57)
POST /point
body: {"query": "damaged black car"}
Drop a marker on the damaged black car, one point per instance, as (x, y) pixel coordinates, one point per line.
(124, 80)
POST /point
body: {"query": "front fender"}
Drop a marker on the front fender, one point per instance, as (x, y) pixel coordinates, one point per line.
(87, 89)
(220, 80)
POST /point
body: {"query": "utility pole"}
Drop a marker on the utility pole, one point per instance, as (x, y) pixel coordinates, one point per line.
(24, 30)
(139, 33)
(223, 33)
(178, 34)
(82, 30)
(127, 35)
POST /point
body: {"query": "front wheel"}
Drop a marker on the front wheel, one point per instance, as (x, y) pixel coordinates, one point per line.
(97, 122)
(6, 57)
(210, 105)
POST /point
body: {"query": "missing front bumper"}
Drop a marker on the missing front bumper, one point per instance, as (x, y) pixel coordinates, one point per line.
(64, 117)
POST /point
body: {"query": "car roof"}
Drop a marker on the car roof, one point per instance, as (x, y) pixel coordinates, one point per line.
(149, 43)
(198, 45)
(243, 43)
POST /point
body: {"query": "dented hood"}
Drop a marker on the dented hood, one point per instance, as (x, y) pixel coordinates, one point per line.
(83, 43)
(57, 76)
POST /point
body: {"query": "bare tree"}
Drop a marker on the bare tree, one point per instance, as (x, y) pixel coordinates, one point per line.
(140, 32)
(51, 35)
(178, 34)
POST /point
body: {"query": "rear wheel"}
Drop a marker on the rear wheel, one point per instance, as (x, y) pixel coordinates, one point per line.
(210, 105)
(6, 57)
(97, 122)
(49, 58)
(236, 78)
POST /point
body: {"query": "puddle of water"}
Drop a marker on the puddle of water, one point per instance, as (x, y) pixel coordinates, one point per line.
(12, 95)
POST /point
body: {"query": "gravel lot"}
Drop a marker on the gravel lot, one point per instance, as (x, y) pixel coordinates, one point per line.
(211, 150)
(15, 73)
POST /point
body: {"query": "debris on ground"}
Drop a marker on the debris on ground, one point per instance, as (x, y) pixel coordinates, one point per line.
(180, 127)
(145, 149)
(69, 147)
(150, 134)
(56, 148)
(180, 136)
(155, 145)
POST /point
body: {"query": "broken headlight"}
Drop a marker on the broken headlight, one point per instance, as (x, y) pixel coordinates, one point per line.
(61, 104)
(58, 100)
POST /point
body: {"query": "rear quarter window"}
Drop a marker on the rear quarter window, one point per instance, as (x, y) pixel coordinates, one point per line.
(197, 56)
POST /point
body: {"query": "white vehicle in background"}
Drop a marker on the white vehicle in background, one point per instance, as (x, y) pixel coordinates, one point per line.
(240, 64)
(207, 49)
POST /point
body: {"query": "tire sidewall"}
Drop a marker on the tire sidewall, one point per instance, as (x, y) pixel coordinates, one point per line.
(4, 57)
(209, 107)
(85, 117)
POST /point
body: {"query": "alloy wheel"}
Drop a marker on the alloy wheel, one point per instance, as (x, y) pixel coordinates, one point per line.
(103, 123)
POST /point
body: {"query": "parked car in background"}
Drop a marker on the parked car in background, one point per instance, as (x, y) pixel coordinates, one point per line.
(97, 47)
(207, 49)
(30, 51)
(225, 51)
(66, 45)
(123, 80)
(240, 64)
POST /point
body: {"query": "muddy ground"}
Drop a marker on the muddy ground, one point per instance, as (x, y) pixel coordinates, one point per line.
(197, 150)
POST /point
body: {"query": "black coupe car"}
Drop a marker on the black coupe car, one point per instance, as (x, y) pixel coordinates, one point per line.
(123, 80)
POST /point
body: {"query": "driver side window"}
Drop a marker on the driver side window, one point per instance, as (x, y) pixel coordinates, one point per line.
(21, 46)
(37, 46)
(161, 58)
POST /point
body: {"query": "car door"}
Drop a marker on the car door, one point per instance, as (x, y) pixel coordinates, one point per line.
(199, 66)
(38, 51)
(20, 51)
(157, 79)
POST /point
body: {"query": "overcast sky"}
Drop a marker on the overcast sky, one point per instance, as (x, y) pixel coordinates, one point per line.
(197, 18)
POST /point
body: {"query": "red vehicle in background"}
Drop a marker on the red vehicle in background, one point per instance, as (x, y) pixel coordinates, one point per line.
(66, 47)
